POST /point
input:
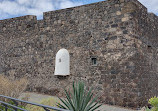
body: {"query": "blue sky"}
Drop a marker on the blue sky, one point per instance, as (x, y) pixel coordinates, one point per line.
(15, 8)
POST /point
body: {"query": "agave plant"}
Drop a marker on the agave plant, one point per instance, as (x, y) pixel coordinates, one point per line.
(79, 99)
(147, 109)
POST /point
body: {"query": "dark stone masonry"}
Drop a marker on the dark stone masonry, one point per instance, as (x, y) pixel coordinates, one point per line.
(119, 34)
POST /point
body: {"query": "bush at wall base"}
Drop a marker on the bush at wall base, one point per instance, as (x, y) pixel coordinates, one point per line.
(2, 108)
(79, 99)
(154, 103)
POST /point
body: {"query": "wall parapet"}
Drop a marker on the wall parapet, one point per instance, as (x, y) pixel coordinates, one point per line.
(52, 17)
(18, 21)
(153, 16)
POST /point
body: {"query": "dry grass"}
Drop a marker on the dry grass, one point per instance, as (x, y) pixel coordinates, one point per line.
(12, 88)
(48, 101)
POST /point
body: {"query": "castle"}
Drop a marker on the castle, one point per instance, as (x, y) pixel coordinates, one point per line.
(112, 46)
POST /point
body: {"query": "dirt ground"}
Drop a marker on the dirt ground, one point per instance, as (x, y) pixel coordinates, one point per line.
(34, 97)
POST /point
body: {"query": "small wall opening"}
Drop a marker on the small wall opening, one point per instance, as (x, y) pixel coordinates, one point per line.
(94, 61)
(28, 26)
(149, 47)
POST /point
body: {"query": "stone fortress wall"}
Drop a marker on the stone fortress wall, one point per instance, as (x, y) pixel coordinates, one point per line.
(120, 34)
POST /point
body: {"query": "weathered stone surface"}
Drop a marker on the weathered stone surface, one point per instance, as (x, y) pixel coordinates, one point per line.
(124, 41)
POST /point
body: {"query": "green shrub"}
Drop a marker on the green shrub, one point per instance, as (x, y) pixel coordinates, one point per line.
(49, 102)
(154, 103)
(79, 99)
(2, 108)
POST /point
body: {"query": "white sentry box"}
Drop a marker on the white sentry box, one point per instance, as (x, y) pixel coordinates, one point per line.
(62, 63)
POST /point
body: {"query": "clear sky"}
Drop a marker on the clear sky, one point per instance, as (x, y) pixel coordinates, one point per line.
(15, 8)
